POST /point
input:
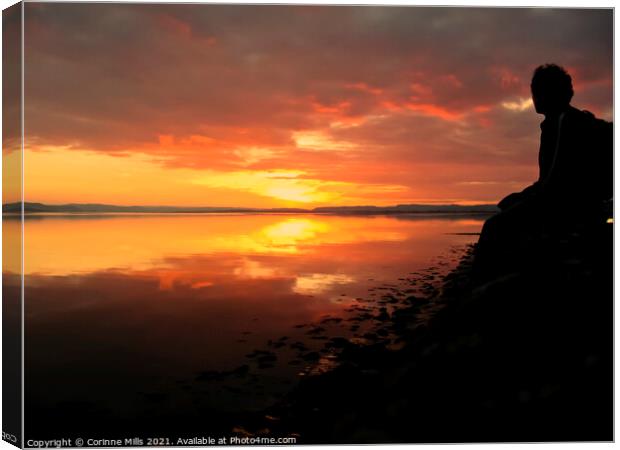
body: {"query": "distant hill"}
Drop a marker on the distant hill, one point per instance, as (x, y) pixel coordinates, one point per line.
(102, 208)
(408, 209)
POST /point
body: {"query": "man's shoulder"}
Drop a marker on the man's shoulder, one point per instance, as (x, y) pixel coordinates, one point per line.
(582, 115)
(576, 113)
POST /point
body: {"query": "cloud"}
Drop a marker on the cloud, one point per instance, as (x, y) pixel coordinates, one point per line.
(521, 104)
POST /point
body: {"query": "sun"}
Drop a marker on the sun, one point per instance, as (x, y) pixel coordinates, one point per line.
(296, 193)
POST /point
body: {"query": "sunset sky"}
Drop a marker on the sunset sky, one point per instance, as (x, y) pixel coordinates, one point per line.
(269, 106)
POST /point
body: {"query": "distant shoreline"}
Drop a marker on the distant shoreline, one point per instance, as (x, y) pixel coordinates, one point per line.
(102, 209)
(451, 214)
(145, 215)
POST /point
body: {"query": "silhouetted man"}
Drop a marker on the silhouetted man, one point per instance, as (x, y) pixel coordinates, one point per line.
(575, 177)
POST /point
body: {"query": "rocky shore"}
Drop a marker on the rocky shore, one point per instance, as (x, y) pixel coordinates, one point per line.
(525, 356)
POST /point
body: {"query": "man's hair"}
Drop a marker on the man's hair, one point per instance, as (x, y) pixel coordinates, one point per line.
(554, 81)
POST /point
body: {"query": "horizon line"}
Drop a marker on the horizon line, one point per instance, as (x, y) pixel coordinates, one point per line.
(247, 207)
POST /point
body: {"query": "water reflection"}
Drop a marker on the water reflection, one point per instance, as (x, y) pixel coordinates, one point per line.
(130, 313)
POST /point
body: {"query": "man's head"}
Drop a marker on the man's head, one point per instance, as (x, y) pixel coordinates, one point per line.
(552, 89)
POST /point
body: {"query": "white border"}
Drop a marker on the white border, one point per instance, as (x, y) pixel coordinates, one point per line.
(477, 3)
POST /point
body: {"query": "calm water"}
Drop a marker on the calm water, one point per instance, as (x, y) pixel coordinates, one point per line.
(131, 314)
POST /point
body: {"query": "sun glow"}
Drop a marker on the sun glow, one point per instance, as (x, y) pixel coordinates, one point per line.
(279, 184)
(292, 231)
(139, 179)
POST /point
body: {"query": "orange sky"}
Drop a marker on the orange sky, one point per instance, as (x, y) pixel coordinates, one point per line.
(265, 106)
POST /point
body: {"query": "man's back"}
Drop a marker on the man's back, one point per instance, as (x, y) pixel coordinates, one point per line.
(576, 158)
